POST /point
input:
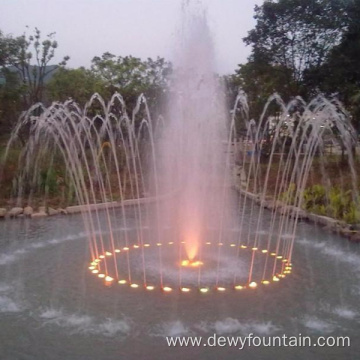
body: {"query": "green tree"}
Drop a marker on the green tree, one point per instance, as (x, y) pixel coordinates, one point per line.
(78, 84)
(340, 74)
(290, 37)
(29, 57)
(131, 77)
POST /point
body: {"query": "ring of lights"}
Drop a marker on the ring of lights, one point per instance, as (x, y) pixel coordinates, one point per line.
(95, 268)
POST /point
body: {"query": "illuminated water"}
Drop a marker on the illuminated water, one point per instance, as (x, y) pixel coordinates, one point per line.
(51, 308)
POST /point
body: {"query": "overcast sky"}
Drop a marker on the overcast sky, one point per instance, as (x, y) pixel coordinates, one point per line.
(142, 28)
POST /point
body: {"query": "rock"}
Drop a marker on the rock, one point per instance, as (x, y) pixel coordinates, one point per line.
(42, 209)
(28, 210)
(39, 214)
(52, 211)
(3, 212)
(355, 237)
(15, 211)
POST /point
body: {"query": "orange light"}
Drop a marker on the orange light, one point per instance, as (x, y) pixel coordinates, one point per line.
(239, 287)
(95, 271)
(273, 254)
(204, 290)
(279, 257)
(171, 243)
(136, 246)
(243, 246)
(167, 289)
(150, 287)
(220, 288)
(109, 279)
(253, 285)
(101, 276)
(232, 245)
(96, 261)
(275, 278)
(122, 282)
(284, 260)
(146, 245)
(185, 289)
(190, 263)
(91, 267)
(266, 282)
(208, 243)
(264, 251)
(254, 248)
(102, 256)
(108, 253)
(125, 248)
(117, 250)
(158, 244)
(221, 244)
(134, 286)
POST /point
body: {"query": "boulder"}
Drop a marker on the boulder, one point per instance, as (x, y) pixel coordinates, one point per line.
(42, 209)
(3, 212)
(39, 214)
(28, 210)
(52, 211)
(62, 211)
(355, 237)
(15, 211)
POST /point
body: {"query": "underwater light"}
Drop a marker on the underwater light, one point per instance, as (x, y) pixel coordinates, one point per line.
(284, 268)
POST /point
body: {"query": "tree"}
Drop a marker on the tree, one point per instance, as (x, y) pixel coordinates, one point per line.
(340, 74)
(292, 36)
(29, 57)
(78, 84)
(131, 77)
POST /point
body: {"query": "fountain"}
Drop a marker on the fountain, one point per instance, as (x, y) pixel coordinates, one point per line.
(168, 210)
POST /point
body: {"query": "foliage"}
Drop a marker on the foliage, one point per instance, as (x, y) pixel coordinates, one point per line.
(77, 84)
(297, 47)
(336, 203)
(24, 68)
(132, 77)
(30, 57)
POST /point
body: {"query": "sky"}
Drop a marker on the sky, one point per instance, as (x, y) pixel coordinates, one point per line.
(142, 28)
